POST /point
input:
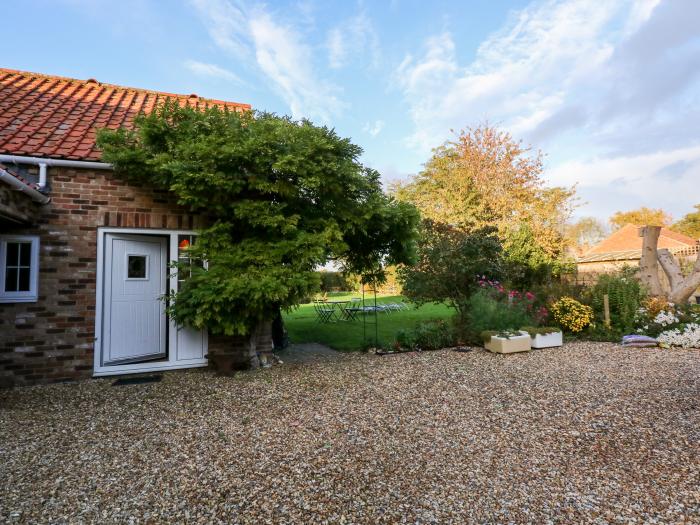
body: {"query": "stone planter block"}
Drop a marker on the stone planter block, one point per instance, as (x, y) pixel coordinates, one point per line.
(503, 345)
(547, 340)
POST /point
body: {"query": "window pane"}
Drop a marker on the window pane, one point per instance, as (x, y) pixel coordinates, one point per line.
(12, 253)
(137, 267)
(24, 280)
(25, 254)
(11, 280)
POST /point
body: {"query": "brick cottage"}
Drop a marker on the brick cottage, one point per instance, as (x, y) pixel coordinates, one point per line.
(83, 255)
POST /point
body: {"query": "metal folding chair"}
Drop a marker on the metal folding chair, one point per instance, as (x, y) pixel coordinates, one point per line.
(324, 314)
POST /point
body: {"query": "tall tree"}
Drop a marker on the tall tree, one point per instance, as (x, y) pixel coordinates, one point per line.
(450, 262)
(689, 224)
(586, 232)
(282, 196)
(640, 217)
(484, 178)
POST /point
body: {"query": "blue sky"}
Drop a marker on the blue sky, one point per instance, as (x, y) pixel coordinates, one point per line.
(608, 90)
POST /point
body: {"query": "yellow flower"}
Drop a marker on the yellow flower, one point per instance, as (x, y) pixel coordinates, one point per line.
(572, 315)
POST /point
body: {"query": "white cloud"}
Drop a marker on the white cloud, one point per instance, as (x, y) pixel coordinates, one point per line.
(520, 74)
(285, 59)
(374, 128)
(211, 70)
(662, 179)
(352, 40)
(611, 84)
(336, 48)
(277, 50)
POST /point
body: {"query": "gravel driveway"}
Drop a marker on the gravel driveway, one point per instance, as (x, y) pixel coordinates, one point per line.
(589, 433)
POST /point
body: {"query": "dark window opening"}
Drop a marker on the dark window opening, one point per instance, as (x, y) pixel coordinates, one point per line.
(137, 267)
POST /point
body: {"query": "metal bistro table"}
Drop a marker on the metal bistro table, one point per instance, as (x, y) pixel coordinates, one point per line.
(343, 315)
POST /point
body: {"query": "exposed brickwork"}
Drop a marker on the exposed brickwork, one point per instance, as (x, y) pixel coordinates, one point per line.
(52, 339)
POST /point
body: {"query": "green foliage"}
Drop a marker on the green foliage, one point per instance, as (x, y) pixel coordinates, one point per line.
(303, 327)
(599, 332)
(539, 330)
(428, 335)
(640, 217)
(484, 177)
(449, 261)
(486, 313)
(625, 294)
(337, 281)
(527, 264)
(486, 335)
(689, 224)
(282, 197)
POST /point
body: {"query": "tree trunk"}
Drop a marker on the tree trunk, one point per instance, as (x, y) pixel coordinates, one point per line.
(229, 353)
(671, 268)
(648, 264)
(681, 287)
(682, 292)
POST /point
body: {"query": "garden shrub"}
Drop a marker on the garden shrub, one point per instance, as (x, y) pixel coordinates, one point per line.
(528, 264)
(625, 294)
(449, 261)
(428, 335)
(571, 315)
(487, 313)
(600, 332)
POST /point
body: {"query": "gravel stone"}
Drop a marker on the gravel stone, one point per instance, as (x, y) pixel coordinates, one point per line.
(587, 433)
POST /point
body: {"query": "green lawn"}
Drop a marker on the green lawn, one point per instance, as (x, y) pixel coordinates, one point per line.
(303, 326)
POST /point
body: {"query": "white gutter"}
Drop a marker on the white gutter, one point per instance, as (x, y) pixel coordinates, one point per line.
(38, 161)
(13, 181)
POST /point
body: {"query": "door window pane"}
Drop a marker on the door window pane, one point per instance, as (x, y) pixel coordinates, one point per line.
(137, 267)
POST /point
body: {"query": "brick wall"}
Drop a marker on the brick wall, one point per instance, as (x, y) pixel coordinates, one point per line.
(52, 339)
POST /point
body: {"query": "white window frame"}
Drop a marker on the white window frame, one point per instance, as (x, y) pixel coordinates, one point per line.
(32, 294)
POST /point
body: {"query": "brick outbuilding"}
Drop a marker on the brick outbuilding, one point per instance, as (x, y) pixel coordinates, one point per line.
(84, 256)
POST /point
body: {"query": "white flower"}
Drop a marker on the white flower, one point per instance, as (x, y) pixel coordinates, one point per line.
(665, 318)
(687, 337)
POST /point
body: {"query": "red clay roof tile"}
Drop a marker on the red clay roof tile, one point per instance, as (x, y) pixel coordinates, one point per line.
(627, 238)
(49, 116)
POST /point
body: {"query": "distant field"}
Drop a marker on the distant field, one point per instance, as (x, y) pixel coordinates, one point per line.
(303, 326)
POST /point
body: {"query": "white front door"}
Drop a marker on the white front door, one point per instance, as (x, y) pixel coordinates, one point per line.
(135, 325)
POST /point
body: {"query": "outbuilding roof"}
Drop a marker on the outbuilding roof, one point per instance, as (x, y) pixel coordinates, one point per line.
(56, 117)
(626, 244)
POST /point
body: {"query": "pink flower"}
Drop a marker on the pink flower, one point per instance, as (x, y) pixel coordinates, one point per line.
(530, 296)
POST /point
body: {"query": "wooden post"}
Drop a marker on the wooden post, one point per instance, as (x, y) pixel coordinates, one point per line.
(606, 310)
